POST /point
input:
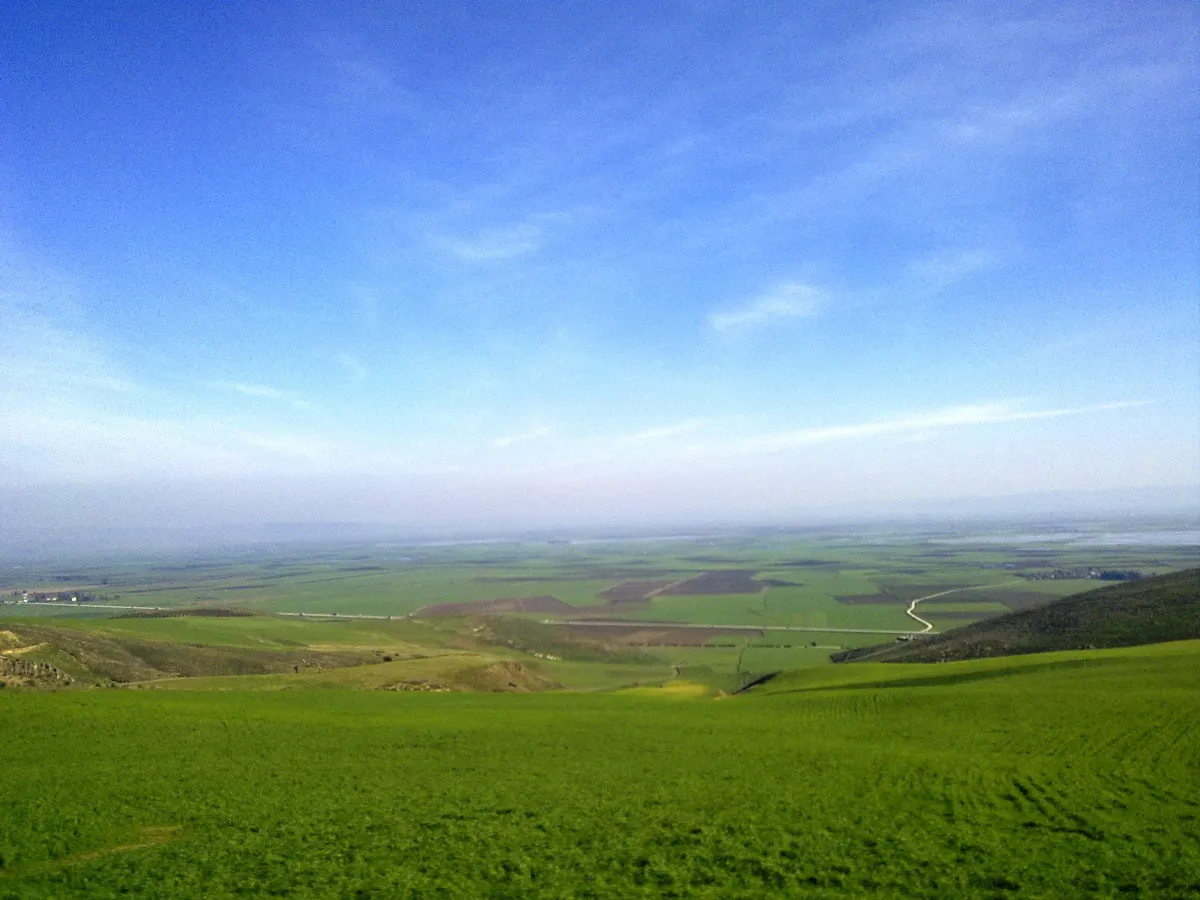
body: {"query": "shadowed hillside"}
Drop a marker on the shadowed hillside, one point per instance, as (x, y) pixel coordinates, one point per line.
(485, 655)
(72, 656)
(1150, 611)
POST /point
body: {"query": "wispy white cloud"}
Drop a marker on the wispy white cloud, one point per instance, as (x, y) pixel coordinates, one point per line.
(944, 269)
(263, 392)
(524, 437)
(45, 352)
(659, 433)
(788, 300)
(494, 244)
(925, 424)
(654, 442)
(75, 444)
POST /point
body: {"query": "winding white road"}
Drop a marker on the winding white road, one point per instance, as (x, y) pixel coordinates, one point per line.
(911, 611)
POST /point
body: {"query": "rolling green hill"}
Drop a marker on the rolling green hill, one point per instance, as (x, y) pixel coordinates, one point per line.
(1149, 611)
(1062, 775)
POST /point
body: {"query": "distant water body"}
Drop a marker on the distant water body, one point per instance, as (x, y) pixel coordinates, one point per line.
(1182, 538)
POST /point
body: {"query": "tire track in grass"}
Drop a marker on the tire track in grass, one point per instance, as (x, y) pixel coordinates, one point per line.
(147, 838)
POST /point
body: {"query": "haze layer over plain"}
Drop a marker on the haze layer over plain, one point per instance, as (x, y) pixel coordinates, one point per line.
(446, 265)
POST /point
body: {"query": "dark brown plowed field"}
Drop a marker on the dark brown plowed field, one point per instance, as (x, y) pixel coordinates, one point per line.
(956, 598)
(631, 591)
(867, 599)
(909, 592)
(508, 605)
(724, 581)
(582, 573)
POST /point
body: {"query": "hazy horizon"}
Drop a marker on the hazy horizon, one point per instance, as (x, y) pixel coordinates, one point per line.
(454, 267)
(30, 533)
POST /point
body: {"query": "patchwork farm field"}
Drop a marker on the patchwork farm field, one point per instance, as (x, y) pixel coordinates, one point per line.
(845, 579)
(1067, 775)
(773, 601)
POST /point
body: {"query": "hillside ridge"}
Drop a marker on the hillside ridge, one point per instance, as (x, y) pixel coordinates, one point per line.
(1149, 611)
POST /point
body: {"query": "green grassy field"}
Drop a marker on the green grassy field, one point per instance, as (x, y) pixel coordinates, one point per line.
(1065, 775)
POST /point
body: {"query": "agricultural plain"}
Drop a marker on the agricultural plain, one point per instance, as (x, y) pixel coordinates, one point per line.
(734, 605)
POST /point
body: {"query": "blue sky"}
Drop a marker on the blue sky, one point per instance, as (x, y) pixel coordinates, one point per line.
(514, 263)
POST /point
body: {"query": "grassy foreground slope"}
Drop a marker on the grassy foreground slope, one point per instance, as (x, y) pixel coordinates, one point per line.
(1152, 610)
(1079, 777)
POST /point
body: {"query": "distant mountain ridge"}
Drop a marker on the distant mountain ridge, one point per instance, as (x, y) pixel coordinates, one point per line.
(1149, 611)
